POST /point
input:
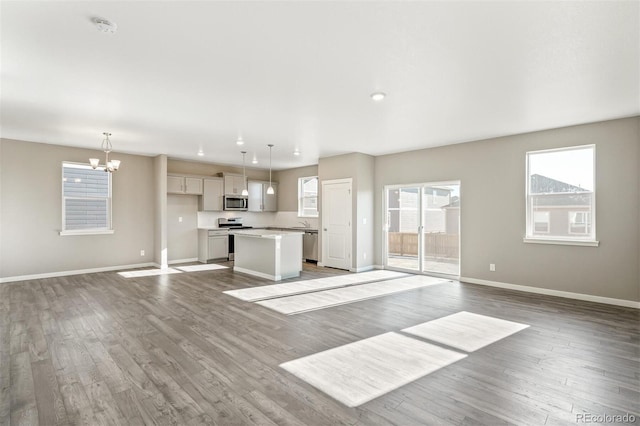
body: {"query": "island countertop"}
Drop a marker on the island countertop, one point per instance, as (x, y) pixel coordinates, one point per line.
(266, 233)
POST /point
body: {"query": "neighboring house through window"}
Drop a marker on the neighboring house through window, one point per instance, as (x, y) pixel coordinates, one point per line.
(540, 222)
(579, 222)
(561, 196)
(308, 196)
(86, 199)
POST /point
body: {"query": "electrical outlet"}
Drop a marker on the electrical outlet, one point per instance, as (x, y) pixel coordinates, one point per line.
(141, 252)
(364, 255)
(179, 218)
(492, 267)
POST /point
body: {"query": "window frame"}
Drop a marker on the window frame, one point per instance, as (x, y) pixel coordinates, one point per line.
(109, 199)
(590, 239)
(301, 196)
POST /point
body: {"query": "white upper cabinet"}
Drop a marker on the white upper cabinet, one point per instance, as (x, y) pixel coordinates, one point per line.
(192, 186)
(255, 196)
(233, 184)
(184, 185)
(259, 200)
(270, 201)
(175, 184)
(212, 195)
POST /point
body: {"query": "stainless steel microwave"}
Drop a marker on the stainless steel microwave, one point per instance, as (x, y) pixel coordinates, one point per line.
(236, 202)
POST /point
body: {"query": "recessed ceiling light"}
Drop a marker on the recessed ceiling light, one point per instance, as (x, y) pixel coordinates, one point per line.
(200, 153)
(296, 152)
(239, 141)
(105, 26)
(378, 96)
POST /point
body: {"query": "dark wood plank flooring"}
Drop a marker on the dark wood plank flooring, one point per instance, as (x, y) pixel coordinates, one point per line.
(102, 349)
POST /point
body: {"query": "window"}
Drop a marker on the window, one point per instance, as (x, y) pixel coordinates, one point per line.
(561, 191)
(308, 196)
(86, 200)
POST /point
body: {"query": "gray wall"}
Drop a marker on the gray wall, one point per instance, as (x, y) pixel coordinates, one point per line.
(359, 167)
(365, 212)
(31, 203)
(160, 210)
(182, 237)
(288, 186)
(492, 175)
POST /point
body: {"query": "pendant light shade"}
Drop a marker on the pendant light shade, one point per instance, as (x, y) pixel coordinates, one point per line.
(244, 176)
(109, 165)
(270, 190)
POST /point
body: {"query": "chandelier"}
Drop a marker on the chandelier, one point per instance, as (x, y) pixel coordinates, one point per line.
(109, 165)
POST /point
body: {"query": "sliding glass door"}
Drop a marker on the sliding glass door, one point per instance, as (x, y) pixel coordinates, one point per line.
(422, 229)
(441, 228)
(403, 228)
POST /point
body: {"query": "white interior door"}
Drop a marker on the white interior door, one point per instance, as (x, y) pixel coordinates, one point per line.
(336, 223)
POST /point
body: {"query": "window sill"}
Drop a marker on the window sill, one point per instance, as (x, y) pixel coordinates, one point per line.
(307, 216)
(584, 243)
(87, 232)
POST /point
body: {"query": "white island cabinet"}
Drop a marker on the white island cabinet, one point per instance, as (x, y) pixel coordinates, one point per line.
(275, 255)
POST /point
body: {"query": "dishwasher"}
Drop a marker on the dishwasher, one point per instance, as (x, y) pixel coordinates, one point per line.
(310, 246)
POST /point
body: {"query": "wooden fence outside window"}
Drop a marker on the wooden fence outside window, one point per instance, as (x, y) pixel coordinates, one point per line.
(436, 244)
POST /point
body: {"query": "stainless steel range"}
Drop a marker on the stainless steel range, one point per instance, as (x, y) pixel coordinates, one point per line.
(231, 223)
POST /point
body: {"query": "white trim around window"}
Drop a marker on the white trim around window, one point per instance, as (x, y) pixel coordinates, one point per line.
(562, 191)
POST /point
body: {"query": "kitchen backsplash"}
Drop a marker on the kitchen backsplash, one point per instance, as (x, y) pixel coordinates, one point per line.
(283, 219)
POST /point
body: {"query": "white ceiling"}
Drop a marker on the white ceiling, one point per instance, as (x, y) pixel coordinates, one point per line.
(179, 76)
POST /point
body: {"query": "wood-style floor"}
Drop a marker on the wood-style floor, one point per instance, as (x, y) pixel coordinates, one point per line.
(102, 349)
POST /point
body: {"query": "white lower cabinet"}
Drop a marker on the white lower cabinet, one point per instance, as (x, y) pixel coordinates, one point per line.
(218, 247)
(212, 244)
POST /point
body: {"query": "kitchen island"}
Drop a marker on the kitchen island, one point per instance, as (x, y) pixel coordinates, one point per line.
(270, 254)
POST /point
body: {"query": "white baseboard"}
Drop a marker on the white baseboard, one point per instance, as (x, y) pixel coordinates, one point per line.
(363, 269)
(257, 273)
(74, 272)
(173, 262)
(558, 293)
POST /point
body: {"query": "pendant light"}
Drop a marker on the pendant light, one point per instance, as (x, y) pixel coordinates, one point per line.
(270, 190)
(109, 165)
(244, 176)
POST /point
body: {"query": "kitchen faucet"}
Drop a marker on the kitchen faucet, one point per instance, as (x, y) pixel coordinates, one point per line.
(306, 224)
